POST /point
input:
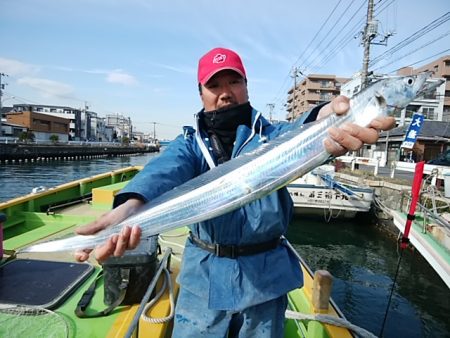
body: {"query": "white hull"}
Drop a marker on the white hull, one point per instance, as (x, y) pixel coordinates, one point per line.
(312, 196)
(313, 199)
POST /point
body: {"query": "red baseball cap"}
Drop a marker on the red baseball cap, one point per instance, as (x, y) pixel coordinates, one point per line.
(218, 59)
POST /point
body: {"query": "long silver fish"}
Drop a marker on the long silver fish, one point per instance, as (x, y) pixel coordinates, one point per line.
(252, 175)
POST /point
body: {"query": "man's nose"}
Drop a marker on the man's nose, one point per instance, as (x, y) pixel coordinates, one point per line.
(225, 90)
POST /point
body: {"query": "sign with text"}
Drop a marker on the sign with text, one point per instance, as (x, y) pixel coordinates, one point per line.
(413, 131)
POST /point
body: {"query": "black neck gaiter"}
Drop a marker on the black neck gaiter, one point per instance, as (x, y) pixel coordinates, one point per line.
(221, 126)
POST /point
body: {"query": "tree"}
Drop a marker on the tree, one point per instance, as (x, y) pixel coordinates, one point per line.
(26, 136)
(54, 138)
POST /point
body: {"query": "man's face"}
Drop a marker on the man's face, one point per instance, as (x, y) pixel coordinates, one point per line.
(224, 90)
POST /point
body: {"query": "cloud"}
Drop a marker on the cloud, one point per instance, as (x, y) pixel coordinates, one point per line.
(182, 70)
(120, 77)
(48, 88)
(112, 76)
(17, 68)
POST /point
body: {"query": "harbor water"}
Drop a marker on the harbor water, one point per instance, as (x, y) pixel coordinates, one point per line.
(361, 257)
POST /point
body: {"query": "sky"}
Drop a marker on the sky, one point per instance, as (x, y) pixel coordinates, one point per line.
(139, 58)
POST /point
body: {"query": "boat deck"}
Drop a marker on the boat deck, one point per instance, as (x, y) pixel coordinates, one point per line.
(436, 254)
(46, 216)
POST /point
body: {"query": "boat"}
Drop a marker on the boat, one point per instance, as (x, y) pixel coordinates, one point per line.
(40, 293)
(319, 193)
(431, 237)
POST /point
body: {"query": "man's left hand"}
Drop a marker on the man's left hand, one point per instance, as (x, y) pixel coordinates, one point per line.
(351, 136)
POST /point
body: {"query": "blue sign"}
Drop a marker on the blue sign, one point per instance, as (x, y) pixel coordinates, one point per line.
(413, 131)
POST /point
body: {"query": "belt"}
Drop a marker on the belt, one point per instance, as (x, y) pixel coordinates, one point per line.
(234, 251)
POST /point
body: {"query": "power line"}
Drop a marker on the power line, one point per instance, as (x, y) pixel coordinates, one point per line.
(436, 23)
(352, 33)
(413, 51)
(318, 32)
(341, 44)
(327, 35)
(420, 61)
(283, 87)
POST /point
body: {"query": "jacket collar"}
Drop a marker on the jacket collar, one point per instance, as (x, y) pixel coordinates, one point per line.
(243, 136)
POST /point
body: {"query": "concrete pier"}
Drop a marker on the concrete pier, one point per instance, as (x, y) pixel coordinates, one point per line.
(23, 153)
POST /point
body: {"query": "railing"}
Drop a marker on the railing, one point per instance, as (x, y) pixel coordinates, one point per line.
(429, 169)
(369, 161)
(13, 140)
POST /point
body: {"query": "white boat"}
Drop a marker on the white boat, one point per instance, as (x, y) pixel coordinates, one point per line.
(318, 193)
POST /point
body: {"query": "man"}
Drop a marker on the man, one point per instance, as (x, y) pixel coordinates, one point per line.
(239, 291)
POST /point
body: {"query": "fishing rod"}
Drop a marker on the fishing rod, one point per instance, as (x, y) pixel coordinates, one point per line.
(415, 192)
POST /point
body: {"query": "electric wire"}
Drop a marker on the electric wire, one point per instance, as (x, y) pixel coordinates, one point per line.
(412, 51)
(420, 61)
(436, 23)
(318, 32)
(283, 87)
(326, 36)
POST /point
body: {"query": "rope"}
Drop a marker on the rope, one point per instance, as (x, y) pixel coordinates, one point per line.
(181, 246)
(167, 282)
(331, 320)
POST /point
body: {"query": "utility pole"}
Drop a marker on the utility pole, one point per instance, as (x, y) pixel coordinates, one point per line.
(368, 35)
(154, 131)
(2, 87)
(294, 74)
(85, 108)
(271, 106)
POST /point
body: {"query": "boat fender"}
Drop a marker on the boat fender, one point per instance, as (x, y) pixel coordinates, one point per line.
(41, 188)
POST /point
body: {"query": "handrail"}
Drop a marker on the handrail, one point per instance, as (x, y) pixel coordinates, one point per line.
(442, 221)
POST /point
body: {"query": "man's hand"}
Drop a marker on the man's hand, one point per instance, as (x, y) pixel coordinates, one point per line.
(116, 245)
(351, 136)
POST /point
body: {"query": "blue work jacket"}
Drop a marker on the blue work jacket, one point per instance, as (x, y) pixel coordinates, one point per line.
(227, 284)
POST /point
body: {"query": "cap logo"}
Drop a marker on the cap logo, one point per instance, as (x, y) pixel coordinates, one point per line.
(219, 58)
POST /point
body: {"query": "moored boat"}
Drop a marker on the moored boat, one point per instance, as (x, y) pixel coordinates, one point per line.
(54, 213)
(317, 193)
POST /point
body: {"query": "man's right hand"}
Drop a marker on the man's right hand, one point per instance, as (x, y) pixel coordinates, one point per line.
(116, 245)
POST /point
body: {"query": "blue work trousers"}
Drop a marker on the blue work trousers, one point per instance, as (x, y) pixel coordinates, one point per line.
(194, 319)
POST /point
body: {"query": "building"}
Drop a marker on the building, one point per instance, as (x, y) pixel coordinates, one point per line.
(430, 106)
(440, 69)
(313, 90)
(121, 124)
(74, 115)
(43, 126)
(431, 142)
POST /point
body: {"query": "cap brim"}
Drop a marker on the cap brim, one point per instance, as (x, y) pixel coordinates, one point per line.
(215, 71)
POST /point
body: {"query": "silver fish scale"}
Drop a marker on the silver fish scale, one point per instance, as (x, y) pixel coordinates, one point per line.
(252, 175)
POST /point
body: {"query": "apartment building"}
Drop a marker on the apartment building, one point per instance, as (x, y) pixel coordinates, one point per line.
(74, 115)
(440, 68)
(43, 126)
(121, 124)
(313, 90)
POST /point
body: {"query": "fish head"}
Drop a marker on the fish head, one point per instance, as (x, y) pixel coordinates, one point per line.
(397, 92)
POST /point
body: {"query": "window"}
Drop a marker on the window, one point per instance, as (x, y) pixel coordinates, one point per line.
(428, 113)
(410, 110)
